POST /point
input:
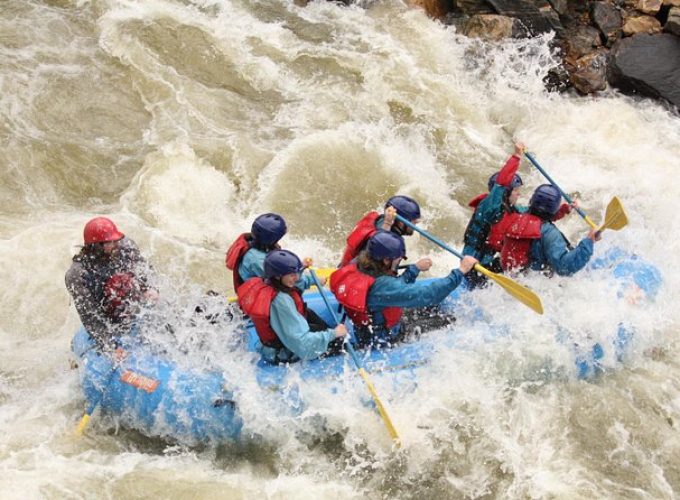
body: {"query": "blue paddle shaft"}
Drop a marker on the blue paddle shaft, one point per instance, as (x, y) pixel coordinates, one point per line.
(348, 344)
(545, 174)
(434, 240)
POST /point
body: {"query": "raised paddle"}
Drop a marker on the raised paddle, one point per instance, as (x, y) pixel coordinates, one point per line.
(615, 217)
(364, 374)
(521, 293)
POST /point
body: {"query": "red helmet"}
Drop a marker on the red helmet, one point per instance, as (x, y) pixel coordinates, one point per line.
(101, 230)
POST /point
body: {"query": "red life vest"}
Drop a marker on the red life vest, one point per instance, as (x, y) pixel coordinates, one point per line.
(522, 230)
(235, 255)
(356, 240)
(351, 287)
(121, 295)
(255, 298)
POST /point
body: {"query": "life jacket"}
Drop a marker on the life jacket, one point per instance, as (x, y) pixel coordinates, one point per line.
(357, 239)
(497, 232)
(351, 288)
(522, 230)
(255, 298)
(121, 294)
(235, 255)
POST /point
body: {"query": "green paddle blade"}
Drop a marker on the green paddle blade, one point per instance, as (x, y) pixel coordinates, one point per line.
(521, 293)
(615, 217)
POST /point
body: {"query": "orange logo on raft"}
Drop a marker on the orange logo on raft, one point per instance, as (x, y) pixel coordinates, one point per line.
(139, 381)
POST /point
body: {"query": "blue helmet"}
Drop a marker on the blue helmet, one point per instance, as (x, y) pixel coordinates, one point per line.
(386, 245)
(278, 263)
(515, 182)
(546, 199)
(407, 207)
(267, 229)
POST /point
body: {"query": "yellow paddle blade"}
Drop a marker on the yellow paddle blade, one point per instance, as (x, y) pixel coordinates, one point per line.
(615, 216)
(82, 424)
(381, 409)
(521, 293)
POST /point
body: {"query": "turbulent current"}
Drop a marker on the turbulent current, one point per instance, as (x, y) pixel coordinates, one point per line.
(183, 120)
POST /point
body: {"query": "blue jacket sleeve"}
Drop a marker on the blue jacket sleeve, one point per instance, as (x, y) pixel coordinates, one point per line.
(305, 282)
(293, 329)
(485, 213)
(563, 261)
(388, 291)
(252, 264)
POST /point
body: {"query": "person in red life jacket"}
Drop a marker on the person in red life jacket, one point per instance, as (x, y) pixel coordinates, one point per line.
(504, 191)
(288, 331)
(245, 257)
(106, 252)
(533, 242)
(372, 222)
(374, 295)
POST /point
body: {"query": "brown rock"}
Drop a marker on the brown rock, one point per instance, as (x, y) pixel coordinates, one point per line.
(672, 3)
(641, 24)
(648, 6)
(607, 19)
(434, 8)
(590, 74)
(673, 23)
(489, 27)
(583, 42)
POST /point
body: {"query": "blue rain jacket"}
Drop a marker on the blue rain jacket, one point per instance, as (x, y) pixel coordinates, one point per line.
(552, 251)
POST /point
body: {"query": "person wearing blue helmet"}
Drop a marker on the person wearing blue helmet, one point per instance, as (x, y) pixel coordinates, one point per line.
(245, 257)
(374, 295)
(532, 241)
(372, 222)
(288, 330)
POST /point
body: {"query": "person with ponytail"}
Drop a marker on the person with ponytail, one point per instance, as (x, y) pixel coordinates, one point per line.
(374, 295)
(288, 330)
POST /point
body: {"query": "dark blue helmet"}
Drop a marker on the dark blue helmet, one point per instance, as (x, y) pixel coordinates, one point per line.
(267, 229)
(386, 245)
(546, 199)
(515, 182)
(278, 263)
(407, 207)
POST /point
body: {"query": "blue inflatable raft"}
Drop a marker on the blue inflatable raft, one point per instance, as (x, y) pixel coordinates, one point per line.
(158, 397)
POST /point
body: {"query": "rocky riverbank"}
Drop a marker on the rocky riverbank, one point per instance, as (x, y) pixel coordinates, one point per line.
(632, 45)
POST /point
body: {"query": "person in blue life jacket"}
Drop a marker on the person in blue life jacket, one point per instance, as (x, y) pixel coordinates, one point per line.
(245, 257)
(373, 222)
(532, 241)
(288, 330)
(374, 295)
(108, 282)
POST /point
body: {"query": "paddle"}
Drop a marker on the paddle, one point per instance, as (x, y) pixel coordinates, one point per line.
(521, 293)
(371, 388)
(615, 217)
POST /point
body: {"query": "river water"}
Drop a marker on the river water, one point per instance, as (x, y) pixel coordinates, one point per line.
(184, 120)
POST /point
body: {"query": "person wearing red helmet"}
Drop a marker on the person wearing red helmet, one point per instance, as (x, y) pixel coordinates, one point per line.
(107, 280)
(373, 222)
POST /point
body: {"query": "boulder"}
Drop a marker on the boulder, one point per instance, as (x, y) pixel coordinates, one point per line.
(648, 6)
(672, 3)
(648, 65)
(493, 27)
(641, 24)
(673, 23)
(582, 42)
(590, 73)
(560, 6)
(434, 8)
(607, 19)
